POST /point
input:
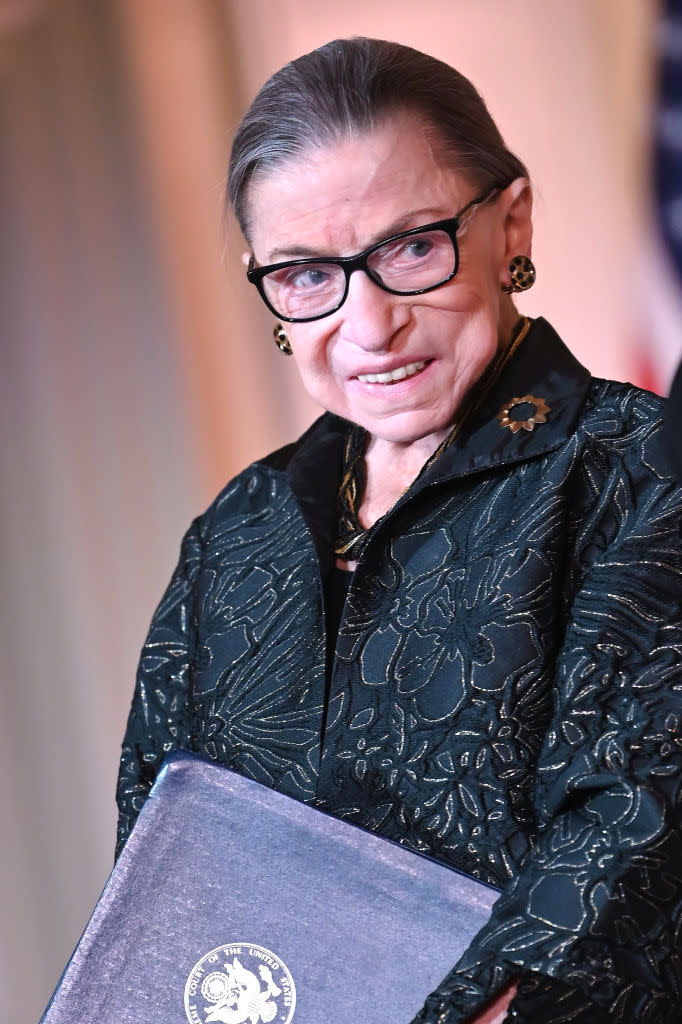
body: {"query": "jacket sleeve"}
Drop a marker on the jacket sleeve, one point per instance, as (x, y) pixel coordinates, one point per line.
(591, 925)
(159, 716)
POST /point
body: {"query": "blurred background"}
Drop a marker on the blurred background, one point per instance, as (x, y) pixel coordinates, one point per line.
(138, 371)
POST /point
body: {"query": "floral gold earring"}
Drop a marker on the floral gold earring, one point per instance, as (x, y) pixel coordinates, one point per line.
(522, 273)
(281, 340)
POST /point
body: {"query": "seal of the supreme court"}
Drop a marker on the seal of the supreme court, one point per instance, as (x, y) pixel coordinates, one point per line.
(240, 983)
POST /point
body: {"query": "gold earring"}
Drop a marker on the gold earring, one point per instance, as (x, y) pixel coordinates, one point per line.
(522, 274)
(281, 340)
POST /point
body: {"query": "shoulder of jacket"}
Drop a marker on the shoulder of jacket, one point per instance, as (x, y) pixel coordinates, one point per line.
(624, 424)
(247, 494)
(616, 410)
(263, 484)
(625, 405)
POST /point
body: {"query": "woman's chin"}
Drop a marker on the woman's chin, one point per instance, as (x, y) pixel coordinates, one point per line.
(409, 428)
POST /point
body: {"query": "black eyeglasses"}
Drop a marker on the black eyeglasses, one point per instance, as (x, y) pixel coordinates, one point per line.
(409, 263)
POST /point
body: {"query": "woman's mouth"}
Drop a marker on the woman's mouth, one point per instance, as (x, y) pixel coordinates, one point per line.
(400, 373)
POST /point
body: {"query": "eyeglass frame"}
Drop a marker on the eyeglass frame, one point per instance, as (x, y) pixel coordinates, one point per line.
(349, 264)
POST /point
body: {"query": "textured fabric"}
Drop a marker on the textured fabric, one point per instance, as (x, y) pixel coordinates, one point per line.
(506, 693)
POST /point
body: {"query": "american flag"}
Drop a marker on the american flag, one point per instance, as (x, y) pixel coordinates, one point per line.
(658, 347)
(668, 182)
(668, 158)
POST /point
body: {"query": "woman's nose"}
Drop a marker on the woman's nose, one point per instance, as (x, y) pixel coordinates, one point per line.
(371, 316)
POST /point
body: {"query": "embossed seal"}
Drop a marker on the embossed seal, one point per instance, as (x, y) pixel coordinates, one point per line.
(240, 983)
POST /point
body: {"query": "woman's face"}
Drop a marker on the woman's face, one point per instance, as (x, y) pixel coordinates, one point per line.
(340, 200)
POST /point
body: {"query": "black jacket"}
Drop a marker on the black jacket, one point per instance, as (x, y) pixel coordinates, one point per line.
(506, 692)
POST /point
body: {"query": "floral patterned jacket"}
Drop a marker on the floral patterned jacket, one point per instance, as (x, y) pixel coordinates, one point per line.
(506, 693)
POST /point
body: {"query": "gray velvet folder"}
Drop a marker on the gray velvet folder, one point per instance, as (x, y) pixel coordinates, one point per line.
(234, 903)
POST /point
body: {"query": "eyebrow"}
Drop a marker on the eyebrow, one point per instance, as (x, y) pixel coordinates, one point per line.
(292, 252)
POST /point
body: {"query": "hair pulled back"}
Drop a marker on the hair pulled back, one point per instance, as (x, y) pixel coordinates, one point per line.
(348, 87)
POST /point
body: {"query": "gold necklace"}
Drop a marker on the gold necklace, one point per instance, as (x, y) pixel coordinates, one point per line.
(350, 533)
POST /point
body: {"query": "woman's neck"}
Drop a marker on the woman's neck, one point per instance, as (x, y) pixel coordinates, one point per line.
(390, 469)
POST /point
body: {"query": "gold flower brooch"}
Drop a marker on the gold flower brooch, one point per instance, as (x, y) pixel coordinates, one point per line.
(520, 420)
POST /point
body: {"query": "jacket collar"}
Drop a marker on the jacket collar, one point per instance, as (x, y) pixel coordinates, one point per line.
(313, 467)
(542, 367)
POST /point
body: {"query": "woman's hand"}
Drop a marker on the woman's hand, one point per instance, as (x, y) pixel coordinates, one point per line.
(496, 1011)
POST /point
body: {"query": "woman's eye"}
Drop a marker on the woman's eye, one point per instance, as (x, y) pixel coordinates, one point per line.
(407, 250)
(306, 278)
(417, 248)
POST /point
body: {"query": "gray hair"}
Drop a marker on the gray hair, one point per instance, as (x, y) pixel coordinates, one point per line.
(348, 87)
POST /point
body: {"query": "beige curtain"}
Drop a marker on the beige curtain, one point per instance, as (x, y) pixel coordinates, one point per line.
(138, 372)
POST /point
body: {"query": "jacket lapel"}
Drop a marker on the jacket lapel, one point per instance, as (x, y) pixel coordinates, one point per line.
(542, 368)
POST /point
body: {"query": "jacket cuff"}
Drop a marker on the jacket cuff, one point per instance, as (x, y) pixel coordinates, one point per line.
(540, 998)
(461, 996)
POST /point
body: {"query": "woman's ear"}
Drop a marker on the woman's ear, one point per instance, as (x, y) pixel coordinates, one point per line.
(517, 207)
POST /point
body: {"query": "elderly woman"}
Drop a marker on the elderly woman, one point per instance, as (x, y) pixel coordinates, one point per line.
(450, 612)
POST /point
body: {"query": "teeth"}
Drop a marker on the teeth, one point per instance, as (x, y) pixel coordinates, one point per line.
(398, 374)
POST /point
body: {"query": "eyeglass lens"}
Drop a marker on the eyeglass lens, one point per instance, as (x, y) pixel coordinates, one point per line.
(404, 265)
